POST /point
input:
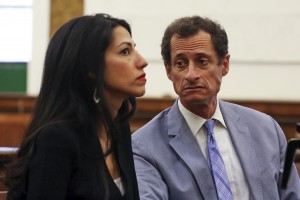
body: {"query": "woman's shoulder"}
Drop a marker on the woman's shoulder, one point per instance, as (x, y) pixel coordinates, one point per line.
(57, 133)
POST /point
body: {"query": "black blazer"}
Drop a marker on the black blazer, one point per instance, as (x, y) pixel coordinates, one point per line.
(67, 162)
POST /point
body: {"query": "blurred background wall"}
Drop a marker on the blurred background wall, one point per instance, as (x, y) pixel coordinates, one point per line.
(263, 41)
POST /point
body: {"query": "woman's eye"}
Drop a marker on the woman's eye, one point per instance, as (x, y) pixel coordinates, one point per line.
(125, 51)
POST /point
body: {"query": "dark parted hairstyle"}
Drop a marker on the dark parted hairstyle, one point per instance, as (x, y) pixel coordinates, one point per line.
(72, 76)
(189, 26)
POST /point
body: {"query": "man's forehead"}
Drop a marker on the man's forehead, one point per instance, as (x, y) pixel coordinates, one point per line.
(201, 40)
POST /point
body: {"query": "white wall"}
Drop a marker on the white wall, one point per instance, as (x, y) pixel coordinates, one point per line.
(263, 37)
(41, 28)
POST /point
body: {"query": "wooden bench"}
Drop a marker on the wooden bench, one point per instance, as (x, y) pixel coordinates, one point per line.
(15, 113)
(6, 155)
(12, 127)
(3, 195)
(16, 108)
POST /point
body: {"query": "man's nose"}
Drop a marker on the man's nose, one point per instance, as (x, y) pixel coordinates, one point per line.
(192, 72)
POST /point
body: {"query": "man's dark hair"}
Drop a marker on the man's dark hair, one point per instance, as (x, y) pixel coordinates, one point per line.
(189, 26)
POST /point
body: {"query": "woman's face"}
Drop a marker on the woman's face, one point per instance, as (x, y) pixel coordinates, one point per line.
(124, 74)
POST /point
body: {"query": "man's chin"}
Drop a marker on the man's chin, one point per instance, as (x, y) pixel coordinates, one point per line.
(193, 100)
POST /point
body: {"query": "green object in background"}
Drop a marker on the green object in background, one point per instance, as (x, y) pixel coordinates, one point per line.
(13, 77)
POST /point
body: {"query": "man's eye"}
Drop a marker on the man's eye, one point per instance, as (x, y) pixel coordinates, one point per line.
(202, 62)
(180, 63)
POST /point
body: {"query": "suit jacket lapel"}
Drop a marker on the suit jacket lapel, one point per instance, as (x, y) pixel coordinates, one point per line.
(244, 148)
(126, 160)
(186, 146)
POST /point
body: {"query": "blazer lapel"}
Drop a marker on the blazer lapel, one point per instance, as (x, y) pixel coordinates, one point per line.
(186, 146)
(126, 161)
(244, 148)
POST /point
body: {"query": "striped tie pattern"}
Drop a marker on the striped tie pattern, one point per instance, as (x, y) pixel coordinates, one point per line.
(216, 164)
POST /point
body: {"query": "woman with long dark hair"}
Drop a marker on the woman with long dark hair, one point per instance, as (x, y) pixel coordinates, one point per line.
(78, 143)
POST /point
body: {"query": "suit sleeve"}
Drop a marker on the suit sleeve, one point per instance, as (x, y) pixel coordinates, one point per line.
(293, 189)
(52, 164)
(150, 183)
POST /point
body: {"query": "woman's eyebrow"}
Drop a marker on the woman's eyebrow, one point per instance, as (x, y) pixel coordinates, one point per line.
(127, 43)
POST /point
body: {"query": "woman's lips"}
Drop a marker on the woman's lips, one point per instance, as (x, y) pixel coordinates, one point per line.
(142, 77)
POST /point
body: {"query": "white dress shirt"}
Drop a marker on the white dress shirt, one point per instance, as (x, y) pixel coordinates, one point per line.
(238, 183)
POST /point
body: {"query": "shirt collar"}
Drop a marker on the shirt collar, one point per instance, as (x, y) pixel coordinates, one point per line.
(195, 122)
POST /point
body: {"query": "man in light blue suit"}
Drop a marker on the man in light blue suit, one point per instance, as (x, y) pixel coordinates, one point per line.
(171, 152)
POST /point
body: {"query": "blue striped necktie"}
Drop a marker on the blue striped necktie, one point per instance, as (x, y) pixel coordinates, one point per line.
(216, 164)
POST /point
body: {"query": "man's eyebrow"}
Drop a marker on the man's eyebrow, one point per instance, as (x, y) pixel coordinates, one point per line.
(179, 55)
(202, 54)
(197, 54)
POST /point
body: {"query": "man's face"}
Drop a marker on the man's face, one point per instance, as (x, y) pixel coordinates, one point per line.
(195, 70)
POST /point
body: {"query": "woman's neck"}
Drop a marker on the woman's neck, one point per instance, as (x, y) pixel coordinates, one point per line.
(114, 103)
(110, 159)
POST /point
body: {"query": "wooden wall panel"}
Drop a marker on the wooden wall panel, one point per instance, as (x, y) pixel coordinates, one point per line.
(15, 113)
(287, 114)
(62, 11)
(12, 127)
(18, 108)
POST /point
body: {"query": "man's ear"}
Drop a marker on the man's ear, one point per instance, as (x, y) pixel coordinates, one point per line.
(168, 70)
(225, 65)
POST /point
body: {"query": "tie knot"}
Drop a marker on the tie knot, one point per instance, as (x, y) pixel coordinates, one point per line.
(209, 125)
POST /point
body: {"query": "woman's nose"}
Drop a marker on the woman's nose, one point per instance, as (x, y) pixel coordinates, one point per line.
(142, 62)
